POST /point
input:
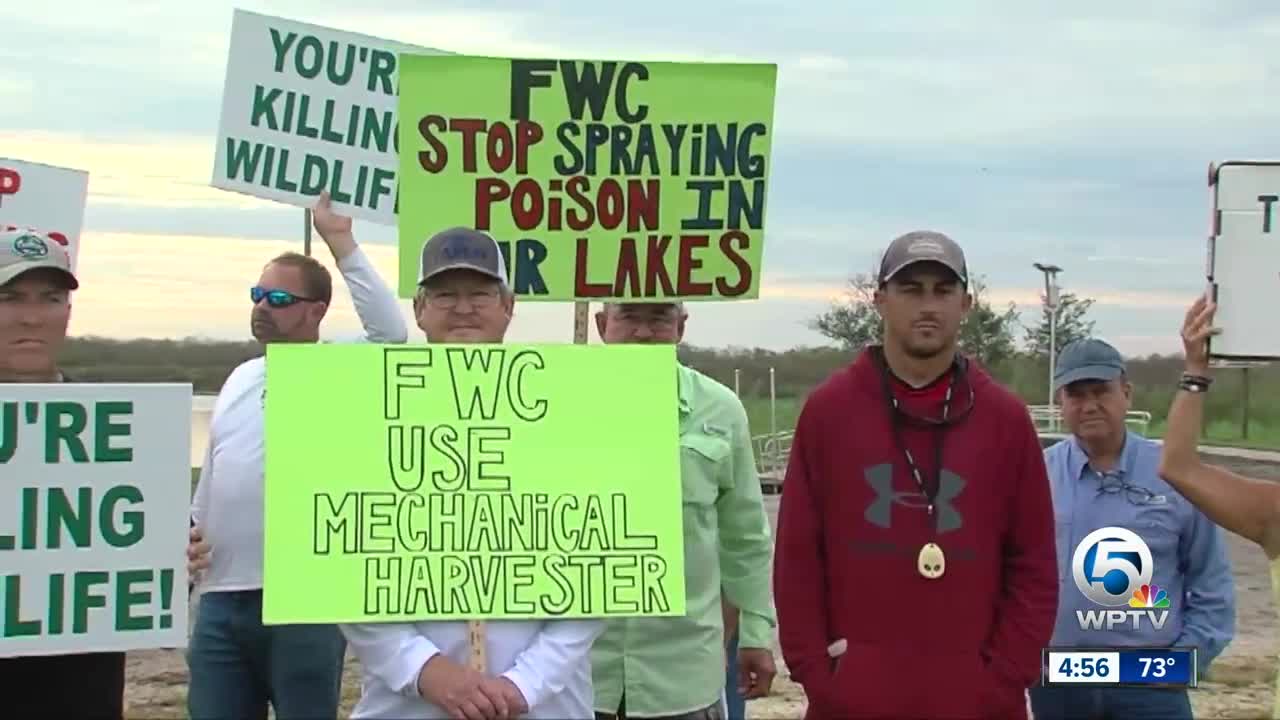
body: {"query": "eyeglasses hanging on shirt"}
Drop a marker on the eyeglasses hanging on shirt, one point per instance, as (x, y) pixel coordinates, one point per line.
(1110, 483)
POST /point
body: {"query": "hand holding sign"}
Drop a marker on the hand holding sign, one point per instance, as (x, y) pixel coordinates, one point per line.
(1197, 326)
(198, 553)
(507, 700)
(334, 229)
(455, 688)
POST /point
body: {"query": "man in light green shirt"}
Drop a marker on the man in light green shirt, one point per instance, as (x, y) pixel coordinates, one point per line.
(674, 668)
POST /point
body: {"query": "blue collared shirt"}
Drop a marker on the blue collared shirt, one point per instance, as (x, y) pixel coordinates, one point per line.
(1188, 551)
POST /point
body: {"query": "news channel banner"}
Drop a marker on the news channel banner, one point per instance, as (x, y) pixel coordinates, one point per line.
(1112, 568)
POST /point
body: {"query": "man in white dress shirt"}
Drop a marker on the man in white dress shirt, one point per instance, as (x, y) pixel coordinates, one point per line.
(237, 664)
(536, 668)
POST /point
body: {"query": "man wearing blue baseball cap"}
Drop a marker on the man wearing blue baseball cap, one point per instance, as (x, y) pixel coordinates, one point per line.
(1105, 475)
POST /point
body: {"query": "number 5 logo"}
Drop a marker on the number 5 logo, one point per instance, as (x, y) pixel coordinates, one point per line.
(1110, 564)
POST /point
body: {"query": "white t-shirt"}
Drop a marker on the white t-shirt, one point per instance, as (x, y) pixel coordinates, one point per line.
(228, 500)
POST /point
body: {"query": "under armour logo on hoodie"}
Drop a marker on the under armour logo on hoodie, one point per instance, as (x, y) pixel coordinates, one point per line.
(880, 511)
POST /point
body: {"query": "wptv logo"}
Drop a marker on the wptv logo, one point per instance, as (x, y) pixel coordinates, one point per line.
(1112, 567)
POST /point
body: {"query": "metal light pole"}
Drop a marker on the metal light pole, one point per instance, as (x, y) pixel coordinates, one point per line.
(737, 384)
(1051, 304)
(773, 405)
(306, 232)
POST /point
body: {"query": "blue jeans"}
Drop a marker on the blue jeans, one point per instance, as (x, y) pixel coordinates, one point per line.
(736, 705)
(1087, 703)
(238, 665)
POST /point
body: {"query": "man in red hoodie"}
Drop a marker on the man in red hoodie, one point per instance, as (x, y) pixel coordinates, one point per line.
(915, 572)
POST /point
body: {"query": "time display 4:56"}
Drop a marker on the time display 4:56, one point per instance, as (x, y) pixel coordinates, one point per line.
(1084, 667)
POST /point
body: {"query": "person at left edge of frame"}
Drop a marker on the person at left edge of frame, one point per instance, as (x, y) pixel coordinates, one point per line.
(36, 283)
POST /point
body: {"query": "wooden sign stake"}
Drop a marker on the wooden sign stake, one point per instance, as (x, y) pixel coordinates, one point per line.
(476, 632)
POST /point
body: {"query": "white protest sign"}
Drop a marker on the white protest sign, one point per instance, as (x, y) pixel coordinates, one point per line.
(95, 486)
(307, 108)
(45, 198)
(1244, 260)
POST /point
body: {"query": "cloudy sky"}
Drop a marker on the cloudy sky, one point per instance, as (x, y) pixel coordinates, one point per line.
(1029, 130)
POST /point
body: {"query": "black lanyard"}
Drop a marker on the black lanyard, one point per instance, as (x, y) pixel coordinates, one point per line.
(938, 427)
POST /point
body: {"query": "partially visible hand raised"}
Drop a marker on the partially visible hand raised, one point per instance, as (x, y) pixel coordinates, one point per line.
(334, 229)
(1197, 327)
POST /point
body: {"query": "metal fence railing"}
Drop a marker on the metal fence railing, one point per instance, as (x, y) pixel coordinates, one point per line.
(1049, 420)
(773, 450)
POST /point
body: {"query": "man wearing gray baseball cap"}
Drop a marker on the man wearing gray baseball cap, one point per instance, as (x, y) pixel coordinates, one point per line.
(1106, 475)
(915, 467)
(463, 294)
(36, 281)
(921, 246)
(536, 668)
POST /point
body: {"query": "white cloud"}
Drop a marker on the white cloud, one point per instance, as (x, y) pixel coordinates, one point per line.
(470, 31)
(1027, 129)
(1019, 76)
(160, 172)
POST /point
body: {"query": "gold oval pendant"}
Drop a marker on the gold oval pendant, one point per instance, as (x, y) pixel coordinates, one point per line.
(931, 563)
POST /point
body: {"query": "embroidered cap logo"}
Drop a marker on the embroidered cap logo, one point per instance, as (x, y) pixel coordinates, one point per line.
(31, 247)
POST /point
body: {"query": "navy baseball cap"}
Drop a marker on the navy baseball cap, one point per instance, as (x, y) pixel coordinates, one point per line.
(1087, 359)
(461, 248)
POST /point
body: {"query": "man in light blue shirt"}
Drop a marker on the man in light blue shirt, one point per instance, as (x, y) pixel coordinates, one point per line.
(1105, 476)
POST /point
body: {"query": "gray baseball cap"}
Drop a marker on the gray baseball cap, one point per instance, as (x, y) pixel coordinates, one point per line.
(461, 248)
(25, 250)
(923, 246)
(1087, 359)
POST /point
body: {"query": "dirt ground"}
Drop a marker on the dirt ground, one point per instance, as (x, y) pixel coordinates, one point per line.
(1239, 684)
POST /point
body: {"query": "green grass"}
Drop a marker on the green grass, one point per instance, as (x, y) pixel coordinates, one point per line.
(1262, 436)
(788, 409)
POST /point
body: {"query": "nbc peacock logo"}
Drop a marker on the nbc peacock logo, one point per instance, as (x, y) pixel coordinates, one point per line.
(1149, 596)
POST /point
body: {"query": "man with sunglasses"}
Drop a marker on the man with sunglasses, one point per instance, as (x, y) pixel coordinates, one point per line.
(674, 668)
(914, 574)
(1106, 475)
(237, 664)
(536, 668)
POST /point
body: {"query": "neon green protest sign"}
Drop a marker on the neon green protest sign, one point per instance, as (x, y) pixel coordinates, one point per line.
(599, 179)
(471, 481)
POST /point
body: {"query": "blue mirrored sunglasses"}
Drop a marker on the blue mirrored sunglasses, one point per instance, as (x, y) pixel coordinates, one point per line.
(276, 298)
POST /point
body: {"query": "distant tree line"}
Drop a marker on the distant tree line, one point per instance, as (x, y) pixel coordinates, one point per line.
(205, 364)
(988, 333)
